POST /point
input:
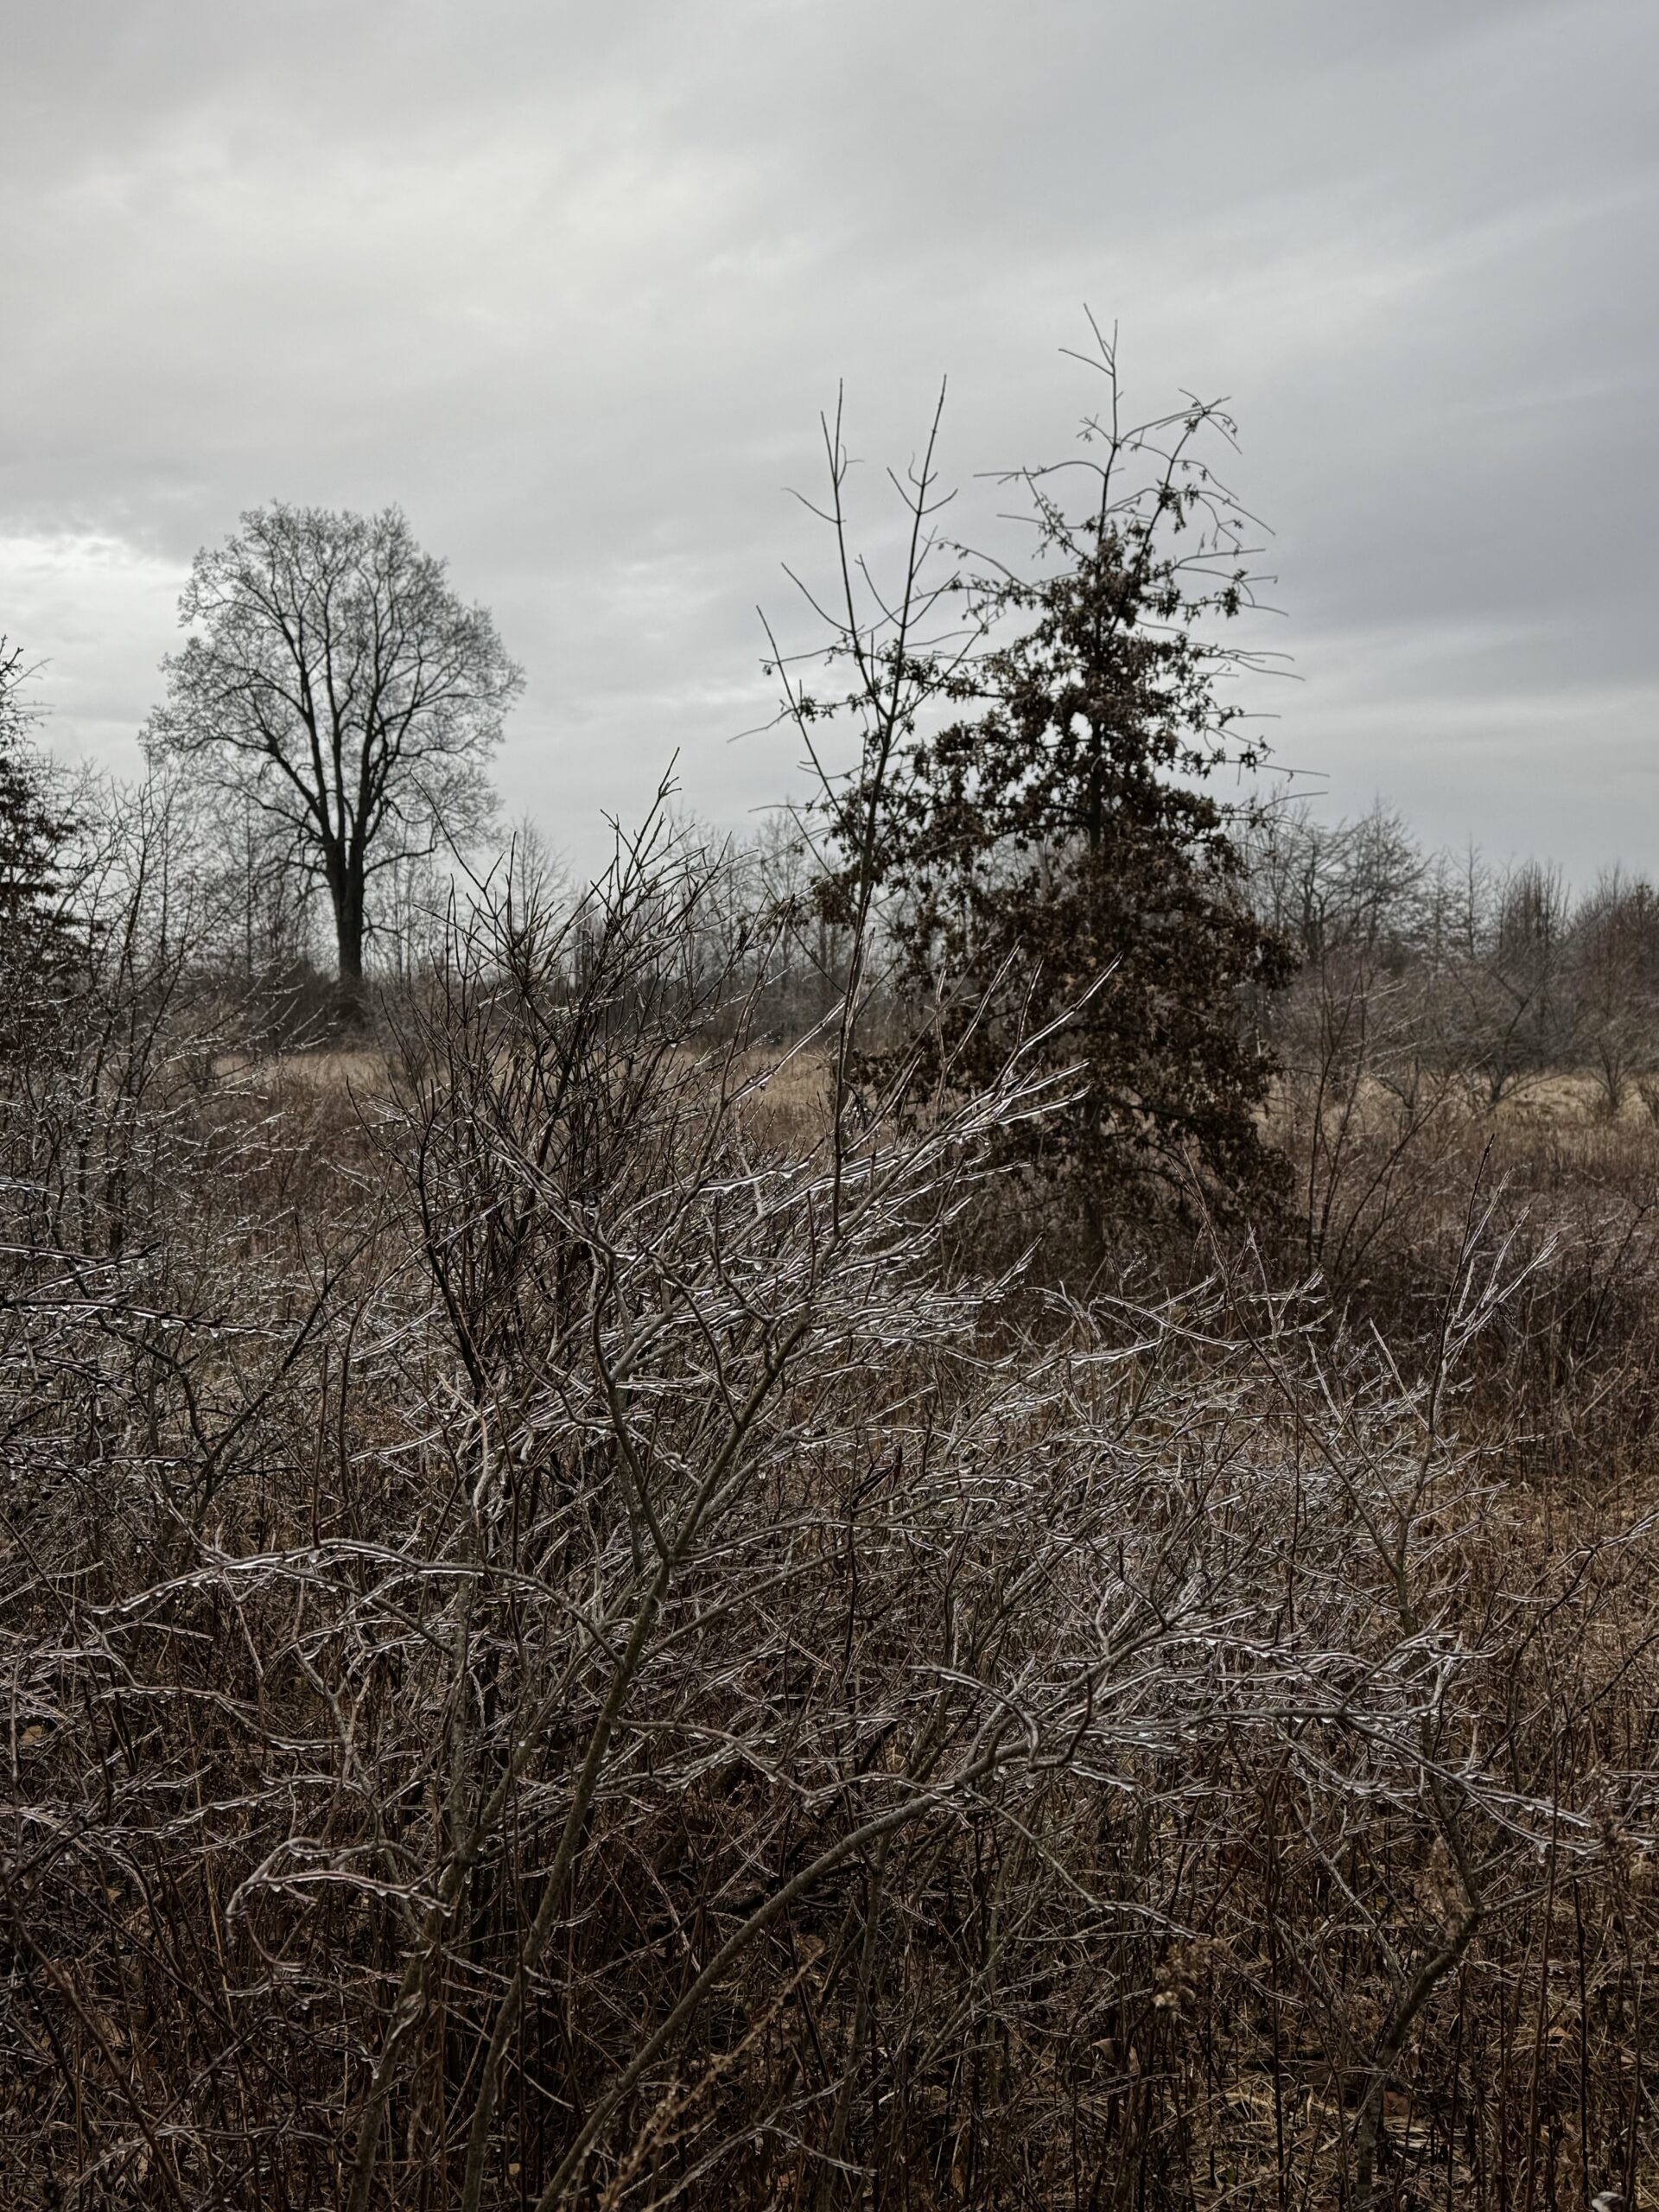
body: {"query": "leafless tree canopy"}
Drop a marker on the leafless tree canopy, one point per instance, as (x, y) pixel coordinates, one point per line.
(337, 681)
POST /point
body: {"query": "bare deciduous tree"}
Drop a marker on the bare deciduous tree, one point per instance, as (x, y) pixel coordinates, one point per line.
(340, 682)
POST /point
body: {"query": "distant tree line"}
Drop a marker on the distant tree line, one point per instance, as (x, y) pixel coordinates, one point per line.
(1504, 975)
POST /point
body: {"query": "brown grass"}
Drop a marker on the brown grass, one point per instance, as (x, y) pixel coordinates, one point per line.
(339, 1468)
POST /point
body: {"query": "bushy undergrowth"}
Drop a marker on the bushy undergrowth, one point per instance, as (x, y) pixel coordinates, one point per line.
(564, 1645)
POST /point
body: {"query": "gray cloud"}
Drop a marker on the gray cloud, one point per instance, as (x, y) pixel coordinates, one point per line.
(572, 284)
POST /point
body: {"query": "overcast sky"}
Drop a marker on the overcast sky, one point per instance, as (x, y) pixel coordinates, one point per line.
(571, 284)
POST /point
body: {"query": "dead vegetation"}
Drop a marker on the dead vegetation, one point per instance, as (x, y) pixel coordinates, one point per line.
(565, 1644)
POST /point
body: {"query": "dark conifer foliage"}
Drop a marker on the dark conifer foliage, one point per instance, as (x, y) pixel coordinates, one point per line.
(37, 935)
(1053, 856)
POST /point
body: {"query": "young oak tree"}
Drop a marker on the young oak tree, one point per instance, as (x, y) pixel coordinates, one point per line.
(1032, 802)
(340, 683)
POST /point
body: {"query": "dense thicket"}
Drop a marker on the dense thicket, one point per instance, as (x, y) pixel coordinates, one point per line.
(561, 1648)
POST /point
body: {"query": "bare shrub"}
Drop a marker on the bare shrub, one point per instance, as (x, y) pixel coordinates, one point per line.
(560, 1649)
(1368, 1109)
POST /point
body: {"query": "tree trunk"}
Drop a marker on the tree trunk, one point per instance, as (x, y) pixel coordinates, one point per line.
(345, 889)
